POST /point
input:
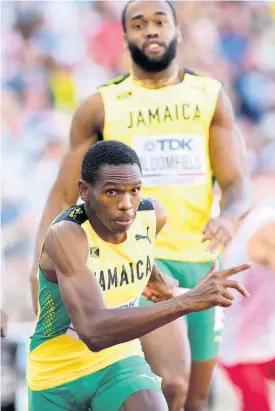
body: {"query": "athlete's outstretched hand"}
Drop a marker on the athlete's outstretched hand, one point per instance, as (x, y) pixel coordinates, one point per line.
(219, 232)
(214, 289)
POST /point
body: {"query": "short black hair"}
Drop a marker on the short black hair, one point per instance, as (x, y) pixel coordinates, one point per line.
(124, 11)
(108, 152)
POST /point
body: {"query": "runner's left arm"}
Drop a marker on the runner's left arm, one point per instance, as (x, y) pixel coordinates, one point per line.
(227, 156)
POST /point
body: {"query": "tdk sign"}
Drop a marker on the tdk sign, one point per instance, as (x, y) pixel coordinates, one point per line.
(169, 144)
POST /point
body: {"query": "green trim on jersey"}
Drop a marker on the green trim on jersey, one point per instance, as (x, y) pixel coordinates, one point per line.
(116, 80)
(53, 319)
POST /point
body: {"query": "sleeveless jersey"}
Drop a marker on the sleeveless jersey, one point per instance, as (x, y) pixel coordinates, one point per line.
(169, 129)
(57, 355)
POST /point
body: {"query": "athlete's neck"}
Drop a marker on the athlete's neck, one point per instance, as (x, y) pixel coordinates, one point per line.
(172, 75)
(101, 230)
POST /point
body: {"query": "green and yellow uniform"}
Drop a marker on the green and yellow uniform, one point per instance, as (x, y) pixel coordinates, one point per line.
(169, 129)
(62, 372)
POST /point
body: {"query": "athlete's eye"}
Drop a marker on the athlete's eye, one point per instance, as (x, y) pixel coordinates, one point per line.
(136, 190)
(111, 193)
(138, 26)
(160, 22)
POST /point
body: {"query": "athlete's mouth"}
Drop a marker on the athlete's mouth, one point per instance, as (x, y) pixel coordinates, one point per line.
(154, 45)
(123, 223)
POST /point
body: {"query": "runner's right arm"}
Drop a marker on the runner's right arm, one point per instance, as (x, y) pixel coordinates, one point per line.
(86, 125)
(66, 246)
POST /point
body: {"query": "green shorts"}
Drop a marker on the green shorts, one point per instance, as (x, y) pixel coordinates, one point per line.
(204, 328)
(104, 390)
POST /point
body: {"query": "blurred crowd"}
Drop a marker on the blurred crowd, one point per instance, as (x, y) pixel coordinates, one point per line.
(56, 53)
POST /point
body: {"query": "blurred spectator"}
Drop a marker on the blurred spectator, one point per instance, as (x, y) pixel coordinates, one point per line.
(248, 350)
(255, 89)
(105, 45)
(8, 376)
(234, 32)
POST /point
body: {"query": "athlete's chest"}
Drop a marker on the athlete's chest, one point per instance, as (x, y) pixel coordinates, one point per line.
(160, 113)
(123, 270)
(141, 110)
(167, 130)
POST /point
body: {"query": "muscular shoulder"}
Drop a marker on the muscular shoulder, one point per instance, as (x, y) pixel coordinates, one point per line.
(88, 121)
(161, 215)
(224, 111)
(115, 90)
(91, 109)
(160, 211)
(203, 81)
(66, 244)
(75, 214)
(115, 81)
(66, 234)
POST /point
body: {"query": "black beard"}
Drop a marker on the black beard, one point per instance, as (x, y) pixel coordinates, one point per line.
(153, 65)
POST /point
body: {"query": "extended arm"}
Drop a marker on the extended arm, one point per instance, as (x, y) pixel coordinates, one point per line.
(66, 245)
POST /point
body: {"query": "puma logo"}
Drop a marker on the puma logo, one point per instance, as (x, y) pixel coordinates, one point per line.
(143, 237)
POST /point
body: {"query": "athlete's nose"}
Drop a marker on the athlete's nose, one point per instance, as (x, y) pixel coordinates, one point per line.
(125, 203)
(151, 31)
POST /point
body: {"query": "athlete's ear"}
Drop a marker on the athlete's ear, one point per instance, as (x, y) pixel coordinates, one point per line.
(125, 41)
(83, 190)
(178, 34)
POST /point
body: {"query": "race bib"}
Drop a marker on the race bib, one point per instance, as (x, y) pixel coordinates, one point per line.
(171, 160)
